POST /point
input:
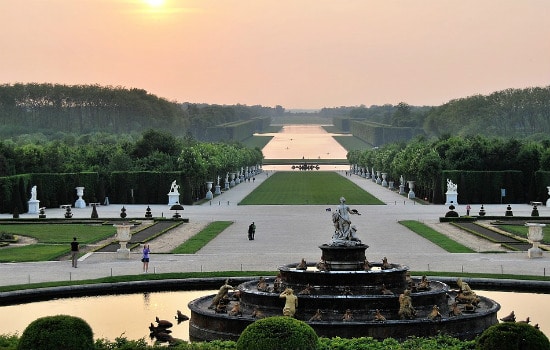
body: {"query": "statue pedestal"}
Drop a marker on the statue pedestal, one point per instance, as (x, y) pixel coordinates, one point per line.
(402, 189)
(218, 190)
(173, 198)
(451, 198)
(34, 206)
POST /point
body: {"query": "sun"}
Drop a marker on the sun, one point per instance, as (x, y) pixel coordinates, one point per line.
(155, 3)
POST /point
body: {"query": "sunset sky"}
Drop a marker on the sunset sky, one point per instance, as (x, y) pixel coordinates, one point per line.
(293, 53)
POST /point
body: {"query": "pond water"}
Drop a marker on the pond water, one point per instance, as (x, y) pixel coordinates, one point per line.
(131, 314)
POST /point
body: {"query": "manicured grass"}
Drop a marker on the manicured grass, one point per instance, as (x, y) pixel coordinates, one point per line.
(33, 252)
(351, 143)
(53, 240)
(195, 243)
(257, 141)
(521, 231)
(308, 187)
(61, 233)
(435, 237)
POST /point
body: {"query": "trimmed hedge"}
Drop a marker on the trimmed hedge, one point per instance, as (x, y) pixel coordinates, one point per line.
(57, 332)
(512, 336)
(278, 333)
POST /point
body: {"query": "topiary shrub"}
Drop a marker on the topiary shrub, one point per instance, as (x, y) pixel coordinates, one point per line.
(512, 336)
(57, 332)
(278, 333)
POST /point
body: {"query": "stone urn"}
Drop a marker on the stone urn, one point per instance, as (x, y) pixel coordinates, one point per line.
(123, 237)
(80, 203)
(411, 194)
(548, 200)
(534, 235)
(209, 194)
(384, 180)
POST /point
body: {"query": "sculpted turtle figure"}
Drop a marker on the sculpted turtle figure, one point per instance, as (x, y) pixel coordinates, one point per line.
(291, 302)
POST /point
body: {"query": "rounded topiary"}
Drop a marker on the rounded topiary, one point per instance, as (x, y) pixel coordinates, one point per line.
(57, 332)
(512, 336)
(278, 333)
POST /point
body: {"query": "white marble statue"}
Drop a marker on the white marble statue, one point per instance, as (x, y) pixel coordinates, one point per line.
(33, 193)
(175, 187)
(451, 187)
(344, 232)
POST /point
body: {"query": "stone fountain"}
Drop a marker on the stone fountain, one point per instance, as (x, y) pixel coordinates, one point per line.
(347, 296)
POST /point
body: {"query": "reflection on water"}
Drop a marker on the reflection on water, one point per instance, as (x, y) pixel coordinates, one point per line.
(131, 314)
(109, 316)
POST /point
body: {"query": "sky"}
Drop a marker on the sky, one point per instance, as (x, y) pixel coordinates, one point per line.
(300, 54)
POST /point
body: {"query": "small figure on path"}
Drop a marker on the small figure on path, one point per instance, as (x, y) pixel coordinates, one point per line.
(468, 208)
(251, 231)
(75, 248)
(145, 257)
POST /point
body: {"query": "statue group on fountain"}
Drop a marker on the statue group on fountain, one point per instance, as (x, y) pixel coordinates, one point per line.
(344, 231)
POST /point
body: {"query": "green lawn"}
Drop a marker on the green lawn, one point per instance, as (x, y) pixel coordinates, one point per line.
(257, 141)
(195, 243)
(521, 231)
(60, 233)
(53, 240)
(308, 187)
(435, 237)
(351, 143)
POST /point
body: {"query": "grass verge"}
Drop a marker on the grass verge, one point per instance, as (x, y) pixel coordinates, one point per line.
(435, 237)
(195, 243)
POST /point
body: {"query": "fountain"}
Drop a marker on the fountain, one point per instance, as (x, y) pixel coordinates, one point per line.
(345, 295)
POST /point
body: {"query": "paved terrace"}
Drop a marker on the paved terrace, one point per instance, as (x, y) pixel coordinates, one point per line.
(285, 234)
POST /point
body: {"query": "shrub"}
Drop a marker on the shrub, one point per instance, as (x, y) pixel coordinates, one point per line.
(57, 332)
(278, 333)
(511, 336)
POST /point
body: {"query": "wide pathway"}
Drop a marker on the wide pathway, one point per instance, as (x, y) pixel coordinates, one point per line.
(285, 234)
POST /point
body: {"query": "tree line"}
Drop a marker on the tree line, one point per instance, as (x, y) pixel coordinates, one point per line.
(51, 109)
(425, 161)
(507, 113)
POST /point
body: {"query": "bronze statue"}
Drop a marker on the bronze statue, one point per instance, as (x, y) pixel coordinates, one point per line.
(348, 316)
(434, 314)
(317, 317)
(222, 293)
(424, 283)
(291, 302)
(406, 309)
(262, 285)
(466, 294)
(378, 317)
(302, 265)
(344, 232)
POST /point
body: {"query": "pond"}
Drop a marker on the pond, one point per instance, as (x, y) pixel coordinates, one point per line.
(131, 314)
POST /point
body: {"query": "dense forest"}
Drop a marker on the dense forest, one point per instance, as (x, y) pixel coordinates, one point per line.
(53, 110)
(508, 113)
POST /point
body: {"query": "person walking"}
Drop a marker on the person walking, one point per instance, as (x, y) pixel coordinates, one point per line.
(468, 208)
(251, 231)
(145, 257)
(75, 248)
